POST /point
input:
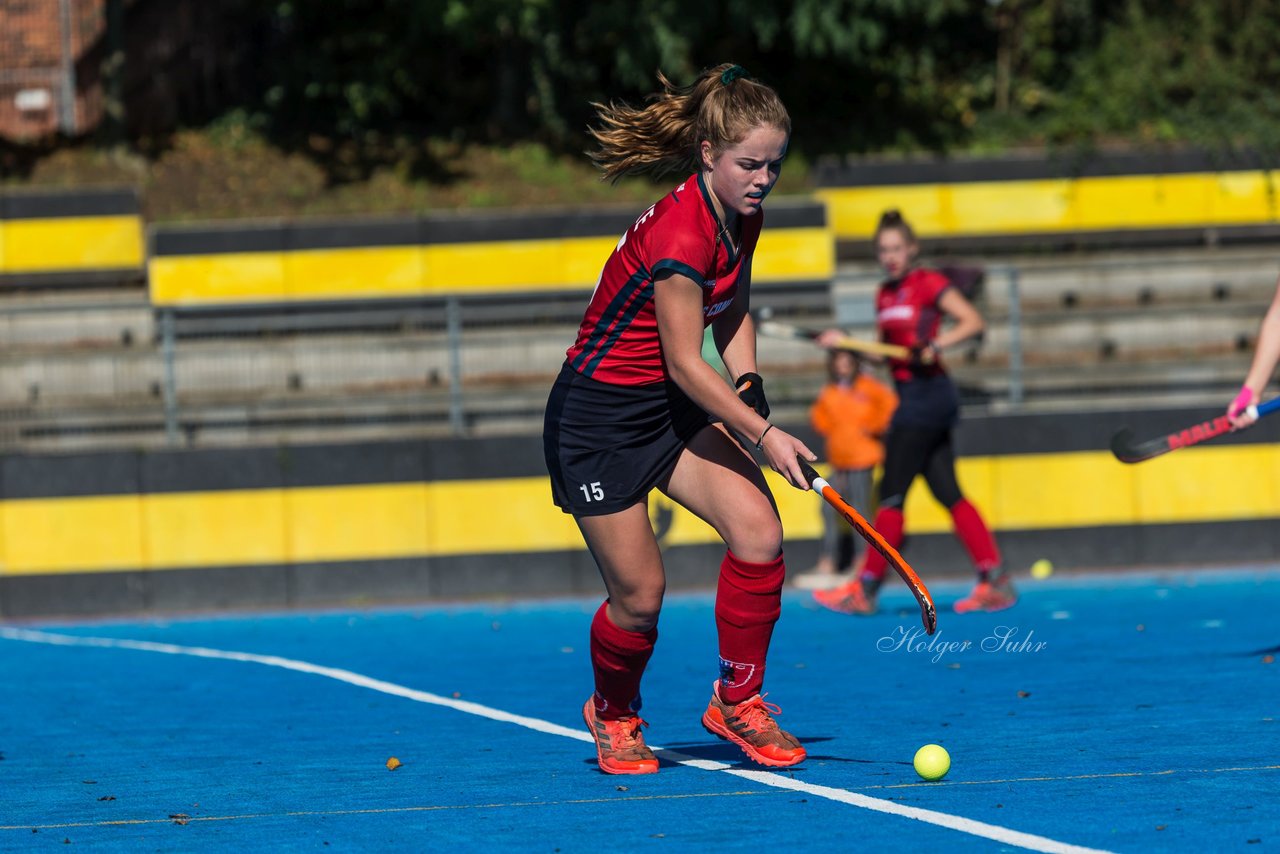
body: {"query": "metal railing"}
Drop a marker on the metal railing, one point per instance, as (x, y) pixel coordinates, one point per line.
(76, 373)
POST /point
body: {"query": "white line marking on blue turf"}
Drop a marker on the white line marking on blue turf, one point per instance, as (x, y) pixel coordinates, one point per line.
(764, 778)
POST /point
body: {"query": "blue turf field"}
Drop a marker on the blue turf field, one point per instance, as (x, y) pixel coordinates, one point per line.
(1146, 721)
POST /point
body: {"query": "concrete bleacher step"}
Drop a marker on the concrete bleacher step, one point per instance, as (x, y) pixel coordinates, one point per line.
(1220, 275)
(205, 421)
(1096, 280)
(44, 320)
(514, 369)
(87, 370)
(505, 407)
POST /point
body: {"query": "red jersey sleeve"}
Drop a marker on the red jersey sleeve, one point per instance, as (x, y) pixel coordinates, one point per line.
(673, 246)
(932, 284)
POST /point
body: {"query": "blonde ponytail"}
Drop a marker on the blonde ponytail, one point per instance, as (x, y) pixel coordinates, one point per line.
(722, 106)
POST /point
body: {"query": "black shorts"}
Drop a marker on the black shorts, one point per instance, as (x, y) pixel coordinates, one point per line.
(911, 451)
(930, 402)
(608, 445)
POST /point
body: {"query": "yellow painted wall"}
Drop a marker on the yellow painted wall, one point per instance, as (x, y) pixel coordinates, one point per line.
(380, 521)
(1053, 205)
(799, 254)
(69, 244)
(233, 277)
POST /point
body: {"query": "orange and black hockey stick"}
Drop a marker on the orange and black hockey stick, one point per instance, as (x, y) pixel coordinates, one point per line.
(928, 613)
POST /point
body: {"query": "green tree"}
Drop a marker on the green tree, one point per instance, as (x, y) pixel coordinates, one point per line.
(858, 75)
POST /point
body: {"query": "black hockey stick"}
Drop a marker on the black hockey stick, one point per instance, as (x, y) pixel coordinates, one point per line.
(1129, 450)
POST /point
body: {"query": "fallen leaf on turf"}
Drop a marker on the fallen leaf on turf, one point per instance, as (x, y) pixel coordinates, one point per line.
(393, 764)
(1024, 693)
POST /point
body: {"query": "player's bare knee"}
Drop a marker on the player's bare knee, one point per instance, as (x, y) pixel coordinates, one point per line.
(758, 542)
(636, 611)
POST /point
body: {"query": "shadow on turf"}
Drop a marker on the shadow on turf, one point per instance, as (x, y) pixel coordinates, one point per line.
(731, 755)
(1271, 650)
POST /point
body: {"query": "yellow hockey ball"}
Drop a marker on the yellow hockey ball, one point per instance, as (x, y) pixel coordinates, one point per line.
(932, 762)
(1043, 568)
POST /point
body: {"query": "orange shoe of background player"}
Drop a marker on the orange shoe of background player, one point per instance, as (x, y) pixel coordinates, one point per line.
(620, 747)
(751, 726)
(850, 598)
(988, 596)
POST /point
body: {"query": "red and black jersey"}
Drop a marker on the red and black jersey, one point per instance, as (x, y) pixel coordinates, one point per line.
(618, 339)
(907, 314)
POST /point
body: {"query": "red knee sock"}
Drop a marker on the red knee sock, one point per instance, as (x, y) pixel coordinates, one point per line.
(748, 602)
(889, 522)
(976, 537)
(618, 658)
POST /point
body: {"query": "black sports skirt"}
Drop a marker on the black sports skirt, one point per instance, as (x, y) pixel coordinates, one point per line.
(608, 445)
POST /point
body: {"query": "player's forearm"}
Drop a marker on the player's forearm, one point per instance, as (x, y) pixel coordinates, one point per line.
(966, 320)
(736, 341)
(963, 330)
(1266, 353)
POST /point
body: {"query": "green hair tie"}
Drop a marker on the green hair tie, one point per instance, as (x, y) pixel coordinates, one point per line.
(732, 73)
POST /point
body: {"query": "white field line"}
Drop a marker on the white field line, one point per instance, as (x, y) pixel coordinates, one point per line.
(765, 778)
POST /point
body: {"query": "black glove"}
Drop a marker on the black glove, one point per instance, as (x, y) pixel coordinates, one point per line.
(924, 353)
(751, 389)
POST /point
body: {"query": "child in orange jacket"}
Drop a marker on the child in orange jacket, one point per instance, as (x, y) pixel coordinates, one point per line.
(851, 413)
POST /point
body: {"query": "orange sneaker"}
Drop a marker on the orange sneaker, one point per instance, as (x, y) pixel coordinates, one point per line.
(988, 596)
(620, 747)
(751, 726)
(851, 598)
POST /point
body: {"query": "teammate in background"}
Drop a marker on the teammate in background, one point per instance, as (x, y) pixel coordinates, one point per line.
(852, 413)
(910, 306)
(636, 407)
(1266, 354)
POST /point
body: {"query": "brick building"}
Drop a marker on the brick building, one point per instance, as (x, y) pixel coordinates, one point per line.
(42, 47)
(175, 62)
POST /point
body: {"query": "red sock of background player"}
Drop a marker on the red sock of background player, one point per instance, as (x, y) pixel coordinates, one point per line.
(618, 658)
(889, 522)
(977, 538)
(748, 603)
